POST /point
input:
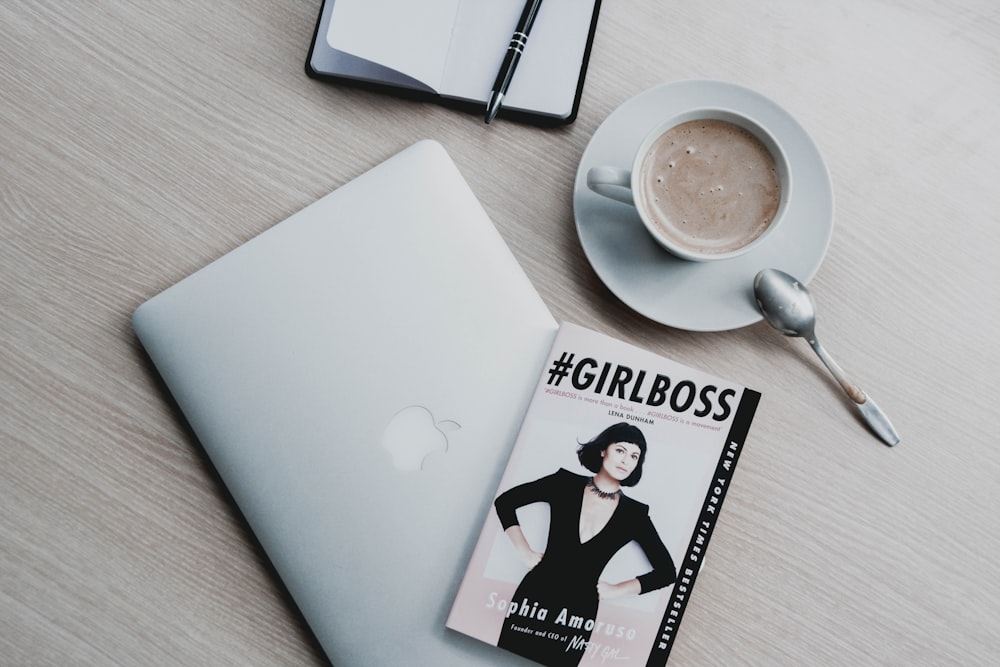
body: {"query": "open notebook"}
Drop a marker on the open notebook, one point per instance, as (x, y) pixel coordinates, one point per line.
(449, 51)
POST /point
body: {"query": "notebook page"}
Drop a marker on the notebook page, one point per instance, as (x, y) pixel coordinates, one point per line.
(404, 35)
(547, 76)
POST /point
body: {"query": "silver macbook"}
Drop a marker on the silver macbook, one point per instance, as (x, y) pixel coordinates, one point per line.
(358, 374)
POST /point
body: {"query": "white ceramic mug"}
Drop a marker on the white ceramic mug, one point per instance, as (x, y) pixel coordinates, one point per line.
(693, 182)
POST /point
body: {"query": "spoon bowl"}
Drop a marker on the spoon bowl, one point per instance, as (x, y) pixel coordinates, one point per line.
(785, 303)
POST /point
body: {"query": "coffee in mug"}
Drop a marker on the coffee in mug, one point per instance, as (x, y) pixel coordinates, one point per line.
(708, 184)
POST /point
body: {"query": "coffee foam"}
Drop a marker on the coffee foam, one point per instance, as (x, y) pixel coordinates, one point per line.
(710, 186)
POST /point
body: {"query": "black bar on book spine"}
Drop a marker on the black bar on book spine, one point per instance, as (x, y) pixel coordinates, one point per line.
(687, 570)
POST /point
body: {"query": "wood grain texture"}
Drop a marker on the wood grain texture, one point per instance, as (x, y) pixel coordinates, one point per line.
(141, 140)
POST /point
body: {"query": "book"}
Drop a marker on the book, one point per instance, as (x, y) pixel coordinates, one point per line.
(449, 52)
(606, 507)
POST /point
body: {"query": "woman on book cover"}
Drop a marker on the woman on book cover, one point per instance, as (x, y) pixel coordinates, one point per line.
(590, 520)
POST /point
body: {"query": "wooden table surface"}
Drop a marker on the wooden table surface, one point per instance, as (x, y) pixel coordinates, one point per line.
(141, 140)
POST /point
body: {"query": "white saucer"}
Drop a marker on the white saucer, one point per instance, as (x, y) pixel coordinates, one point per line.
(698, 296)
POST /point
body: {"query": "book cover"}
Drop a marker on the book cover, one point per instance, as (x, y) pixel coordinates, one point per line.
(449, 52)
(606, 507)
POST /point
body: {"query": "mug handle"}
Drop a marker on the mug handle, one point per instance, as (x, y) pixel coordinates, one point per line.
(611, 182)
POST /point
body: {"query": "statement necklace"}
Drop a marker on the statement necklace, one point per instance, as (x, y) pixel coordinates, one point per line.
(606, 495)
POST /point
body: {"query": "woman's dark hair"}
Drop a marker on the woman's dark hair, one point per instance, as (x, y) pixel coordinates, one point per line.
(589, 453)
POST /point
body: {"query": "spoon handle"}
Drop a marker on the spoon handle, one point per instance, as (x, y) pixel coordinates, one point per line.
(853, 390)
(870, 412)
(879, 422)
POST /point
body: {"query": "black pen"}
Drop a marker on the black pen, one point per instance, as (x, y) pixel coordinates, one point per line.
(510, 60)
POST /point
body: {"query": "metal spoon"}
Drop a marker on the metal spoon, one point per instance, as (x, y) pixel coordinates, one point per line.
(788, 307)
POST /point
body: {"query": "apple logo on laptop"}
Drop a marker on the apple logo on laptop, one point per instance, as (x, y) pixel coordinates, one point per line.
(412, 435)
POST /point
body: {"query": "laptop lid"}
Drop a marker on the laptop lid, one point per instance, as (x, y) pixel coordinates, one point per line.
(358, 374)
